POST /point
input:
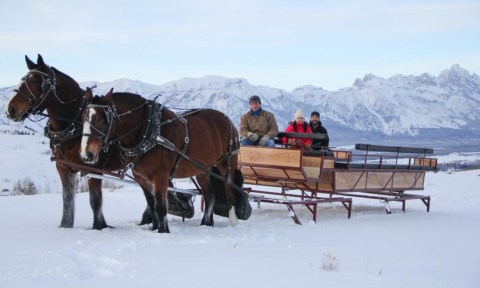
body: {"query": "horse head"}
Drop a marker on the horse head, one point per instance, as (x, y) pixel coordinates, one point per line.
(39, 89)
(97, 123)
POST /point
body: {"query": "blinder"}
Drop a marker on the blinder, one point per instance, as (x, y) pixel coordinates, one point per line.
(102, 136)
(47, 86)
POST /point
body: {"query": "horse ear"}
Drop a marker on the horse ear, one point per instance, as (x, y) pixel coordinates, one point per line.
(88, 95)
(30, 63)
(40, 61)
(109, 95)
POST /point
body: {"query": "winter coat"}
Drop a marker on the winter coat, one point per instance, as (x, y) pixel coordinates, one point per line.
(320, 130)
(263, 124)
(299, 128)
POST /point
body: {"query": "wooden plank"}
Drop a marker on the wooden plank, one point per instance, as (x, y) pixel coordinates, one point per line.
(379, 180)
(426, 162)
(397, 149)
(312, 161)
(348, 180)
(316, 161)
(253, 181)
(347, 155)
(258, 156)
(321, 187)
(407, 180)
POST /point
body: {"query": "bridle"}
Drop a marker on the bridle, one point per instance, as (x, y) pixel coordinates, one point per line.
(102, 136)
(48, 86)
(111, 114)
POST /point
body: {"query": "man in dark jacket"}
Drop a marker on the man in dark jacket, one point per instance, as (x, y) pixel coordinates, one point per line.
(317, 127)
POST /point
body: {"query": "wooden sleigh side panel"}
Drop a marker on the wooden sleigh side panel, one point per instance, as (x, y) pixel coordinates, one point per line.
(260, 164)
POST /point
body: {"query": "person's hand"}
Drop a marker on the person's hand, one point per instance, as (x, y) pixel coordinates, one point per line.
(252, 136)
(264, 140)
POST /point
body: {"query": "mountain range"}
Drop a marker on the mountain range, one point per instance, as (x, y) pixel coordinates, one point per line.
(438, 111)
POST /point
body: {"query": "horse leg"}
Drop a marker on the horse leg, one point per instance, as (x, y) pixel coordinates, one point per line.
(68, 185)
(148, 216)
(227, 189)
(209, 197)
(243, 209)
(161, 204)
(96, 202)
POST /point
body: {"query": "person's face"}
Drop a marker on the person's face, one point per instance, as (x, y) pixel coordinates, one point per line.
(300, 120)
(314, 119)
(254, 105)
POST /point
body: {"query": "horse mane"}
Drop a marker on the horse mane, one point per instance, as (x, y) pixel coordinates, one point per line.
(128, 96)
(68, 78)
(120, 97)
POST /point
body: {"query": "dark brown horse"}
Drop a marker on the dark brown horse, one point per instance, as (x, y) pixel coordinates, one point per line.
(46, 88)
(159, 144)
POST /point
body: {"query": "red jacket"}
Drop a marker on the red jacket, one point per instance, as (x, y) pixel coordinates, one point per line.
(300, 129)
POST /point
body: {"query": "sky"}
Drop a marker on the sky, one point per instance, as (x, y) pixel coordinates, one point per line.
(277, 43)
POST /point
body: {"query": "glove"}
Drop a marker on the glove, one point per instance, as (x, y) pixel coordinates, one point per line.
(264, 140)
(252, 136)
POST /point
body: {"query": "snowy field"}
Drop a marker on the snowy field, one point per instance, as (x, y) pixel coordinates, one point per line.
(372, 249)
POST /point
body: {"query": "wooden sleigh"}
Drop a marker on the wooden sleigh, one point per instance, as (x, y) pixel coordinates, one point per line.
(314, 177)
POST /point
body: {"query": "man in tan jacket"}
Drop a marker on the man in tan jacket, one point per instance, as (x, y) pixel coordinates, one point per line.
(257, 126)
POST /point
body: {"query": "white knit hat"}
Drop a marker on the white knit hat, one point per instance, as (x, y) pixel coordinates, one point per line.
(298, 114)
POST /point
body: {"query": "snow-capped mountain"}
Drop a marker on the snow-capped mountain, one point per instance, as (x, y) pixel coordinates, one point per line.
(424, 108)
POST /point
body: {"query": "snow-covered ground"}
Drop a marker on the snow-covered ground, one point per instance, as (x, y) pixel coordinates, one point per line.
(372, 249)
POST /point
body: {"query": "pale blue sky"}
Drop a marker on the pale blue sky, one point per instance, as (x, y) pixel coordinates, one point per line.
(277, 43)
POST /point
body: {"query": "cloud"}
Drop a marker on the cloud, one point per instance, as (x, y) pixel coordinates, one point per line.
(241, 37)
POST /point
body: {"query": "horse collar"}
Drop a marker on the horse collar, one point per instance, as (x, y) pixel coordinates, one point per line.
(151, 130)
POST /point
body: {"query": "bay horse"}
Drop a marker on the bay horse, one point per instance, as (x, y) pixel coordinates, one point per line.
(46, 88)
(159, 144)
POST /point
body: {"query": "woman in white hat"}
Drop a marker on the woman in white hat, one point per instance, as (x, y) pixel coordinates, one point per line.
(299, 126)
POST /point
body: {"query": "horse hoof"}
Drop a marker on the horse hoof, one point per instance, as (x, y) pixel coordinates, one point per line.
(164, 230)
(66, 224)
(145, 222)
(146, 217)
(101, 227)
(207, 223)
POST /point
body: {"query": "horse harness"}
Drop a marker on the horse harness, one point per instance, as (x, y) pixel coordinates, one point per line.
(58, 138)
(151, 137)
